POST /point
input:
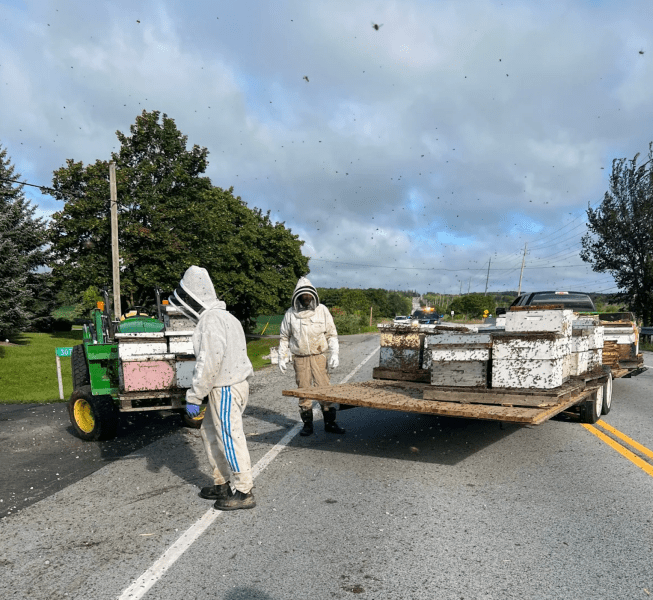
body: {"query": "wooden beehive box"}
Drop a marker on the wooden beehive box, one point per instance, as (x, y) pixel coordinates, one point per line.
(458, 359)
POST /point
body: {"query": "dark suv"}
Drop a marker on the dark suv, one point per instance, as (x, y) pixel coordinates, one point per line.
(576, 301)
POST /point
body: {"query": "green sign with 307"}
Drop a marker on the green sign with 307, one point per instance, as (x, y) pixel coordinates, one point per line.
(64, 351)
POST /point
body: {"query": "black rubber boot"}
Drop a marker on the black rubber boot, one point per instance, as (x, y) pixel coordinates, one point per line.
(307, 419)
(330, 425)
(214, 492)
(235, 500)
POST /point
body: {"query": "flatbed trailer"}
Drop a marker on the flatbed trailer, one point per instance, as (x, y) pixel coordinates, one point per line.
(526, 407)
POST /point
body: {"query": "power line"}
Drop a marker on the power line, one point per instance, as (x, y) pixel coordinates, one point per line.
(41, 187)
(338, 262)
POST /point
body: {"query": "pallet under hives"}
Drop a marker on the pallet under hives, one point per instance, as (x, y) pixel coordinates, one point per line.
(528, 407)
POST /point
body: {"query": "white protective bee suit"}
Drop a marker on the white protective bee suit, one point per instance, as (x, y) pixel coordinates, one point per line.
(221, 372)
(308, 333)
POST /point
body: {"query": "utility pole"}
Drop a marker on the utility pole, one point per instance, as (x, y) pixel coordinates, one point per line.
(488, 275)
(522, 269)
(469, 285)
(115, 254)
(461, 288)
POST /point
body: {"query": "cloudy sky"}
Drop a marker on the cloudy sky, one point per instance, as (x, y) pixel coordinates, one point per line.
(409, 156)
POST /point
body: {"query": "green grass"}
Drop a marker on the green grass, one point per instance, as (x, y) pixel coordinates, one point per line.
(28, 371)
(268, 325)
(258, 348)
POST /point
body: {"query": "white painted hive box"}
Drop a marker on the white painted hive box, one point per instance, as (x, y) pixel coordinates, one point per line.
(528, 374)
(526, 321)
(141, 344)
(529, 347)
(180, 342)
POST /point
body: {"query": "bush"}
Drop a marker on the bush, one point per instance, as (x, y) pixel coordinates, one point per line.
(473, 305)
(347, 324)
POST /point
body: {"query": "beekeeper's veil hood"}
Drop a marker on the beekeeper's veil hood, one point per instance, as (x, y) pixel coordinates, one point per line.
(304, 286)
(195, 293)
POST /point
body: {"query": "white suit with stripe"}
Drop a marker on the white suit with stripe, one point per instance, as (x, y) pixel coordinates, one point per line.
(222, 368)
(221, 372)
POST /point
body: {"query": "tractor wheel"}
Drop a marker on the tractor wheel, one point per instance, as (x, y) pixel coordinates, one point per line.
(79, 367)
(196, 422)
(590, 410)
(94, 418)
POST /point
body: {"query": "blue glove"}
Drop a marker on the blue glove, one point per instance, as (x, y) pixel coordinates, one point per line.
(192, 410)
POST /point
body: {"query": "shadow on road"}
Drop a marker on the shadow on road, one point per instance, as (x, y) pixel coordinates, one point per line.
(403, 436)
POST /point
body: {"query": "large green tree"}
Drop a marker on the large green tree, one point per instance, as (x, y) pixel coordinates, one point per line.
(25, 293)
(619, 240)
(170, 217)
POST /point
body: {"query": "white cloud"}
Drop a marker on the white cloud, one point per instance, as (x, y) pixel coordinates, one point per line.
(455, 133)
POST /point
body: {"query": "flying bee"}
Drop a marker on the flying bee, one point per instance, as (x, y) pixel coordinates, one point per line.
(376, 26)
(641, 51)
(305, 77)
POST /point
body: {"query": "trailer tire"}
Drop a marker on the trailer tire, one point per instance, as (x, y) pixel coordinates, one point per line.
(194, 423)
(607, 396)
(79, 367)
(590, 410)
(94, 418)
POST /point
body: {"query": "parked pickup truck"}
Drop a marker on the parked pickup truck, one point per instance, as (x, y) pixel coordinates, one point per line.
(540, 362)
(576, 301)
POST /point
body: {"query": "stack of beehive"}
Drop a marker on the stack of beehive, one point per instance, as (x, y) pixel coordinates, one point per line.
(401, 348)
(587, 345)
(621, 344)
(533, 350)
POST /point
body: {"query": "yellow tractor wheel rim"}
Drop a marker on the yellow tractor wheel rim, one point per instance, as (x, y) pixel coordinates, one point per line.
(201, 415)
(84, 416)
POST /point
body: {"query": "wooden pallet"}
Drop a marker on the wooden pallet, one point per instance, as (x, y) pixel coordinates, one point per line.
(410, 397)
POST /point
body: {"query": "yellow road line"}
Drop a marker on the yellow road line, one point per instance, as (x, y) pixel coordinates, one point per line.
(622, 436)
(633, 458)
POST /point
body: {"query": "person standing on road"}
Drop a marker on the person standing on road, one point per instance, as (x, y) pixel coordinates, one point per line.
(222, 369)
(308, 332)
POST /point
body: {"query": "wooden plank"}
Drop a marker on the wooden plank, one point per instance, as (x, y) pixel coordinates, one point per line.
(490, 397)
(418, 375)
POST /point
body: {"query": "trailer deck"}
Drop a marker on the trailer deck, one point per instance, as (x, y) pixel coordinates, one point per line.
(528, 407)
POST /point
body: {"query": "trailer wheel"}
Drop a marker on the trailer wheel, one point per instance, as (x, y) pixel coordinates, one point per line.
(81, 376)
(195, 422)
(607, 396)
(93, 418)
(590, 410)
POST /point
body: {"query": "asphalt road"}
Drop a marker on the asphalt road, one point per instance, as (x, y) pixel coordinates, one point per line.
(402, 506)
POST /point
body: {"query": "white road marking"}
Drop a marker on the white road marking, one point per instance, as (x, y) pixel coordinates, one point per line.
(145, 582)
(358, 368)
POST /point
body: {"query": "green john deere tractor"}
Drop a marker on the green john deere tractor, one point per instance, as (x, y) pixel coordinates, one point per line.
(139, 363)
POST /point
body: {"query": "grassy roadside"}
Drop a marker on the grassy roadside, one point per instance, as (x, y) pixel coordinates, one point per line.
(28, 370)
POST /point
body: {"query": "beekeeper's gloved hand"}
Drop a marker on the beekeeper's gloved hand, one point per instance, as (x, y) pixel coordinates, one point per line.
(192, 410)
(283, 363)
(333, 362)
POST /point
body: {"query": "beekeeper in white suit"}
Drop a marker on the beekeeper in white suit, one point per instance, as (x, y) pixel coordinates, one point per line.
(221, 372)
(309, 333)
